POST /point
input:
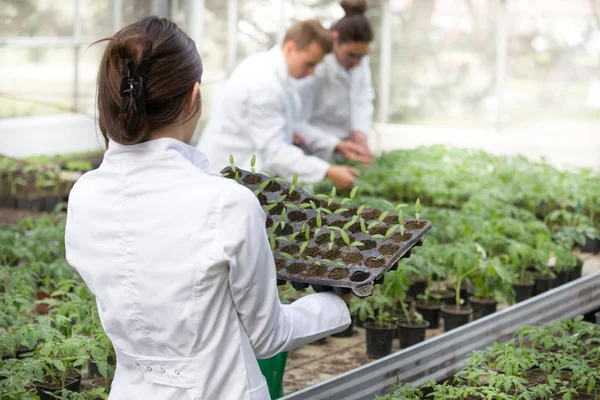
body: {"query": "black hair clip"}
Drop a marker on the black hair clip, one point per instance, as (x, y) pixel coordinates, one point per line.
(133, 87)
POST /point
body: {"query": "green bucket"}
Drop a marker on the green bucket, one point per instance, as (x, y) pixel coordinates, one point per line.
(272, 369)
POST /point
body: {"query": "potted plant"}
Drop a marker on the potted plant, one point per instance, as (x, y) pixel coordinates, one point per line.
(463, 260)
(382, 329)
(491, 280)
(564, 264)
(411, 326)
(520, 256)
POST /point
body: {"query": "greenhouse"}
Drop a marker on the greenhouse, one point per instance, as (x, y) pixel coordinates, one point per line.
(314, 199)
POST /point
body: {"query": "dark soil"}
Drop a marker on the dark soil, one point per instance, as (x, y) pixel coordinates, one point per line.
(272, 186)
(269, 222)
(339, 273)
(355, 228)
(311, 251)
(317, 271)
(294, 196)
(262, 199)
(350, 213)
(295, 268)
(287, 230)
(360, 276)
(352, 258)
(397, 237)
(252, 179)
(379, 230)
(322, 238)
(332, 207)
(375, 262)
(388, 249)
(331, 254)
(340, 241)
(296, 216)
(368, 244)
(391, 219)
(280, 263)
(339, 224)
(412, 225)
(291, 249)
(277, 209)
(372, 214)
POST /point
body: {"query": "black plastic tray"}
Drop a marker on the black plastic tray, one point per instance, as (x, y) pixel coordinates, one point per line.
(377, 256)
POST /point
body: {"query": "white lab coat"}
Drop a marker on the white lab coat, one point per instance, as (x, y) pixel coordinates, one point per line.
(335, 102)
(258, 114)
(180, 264)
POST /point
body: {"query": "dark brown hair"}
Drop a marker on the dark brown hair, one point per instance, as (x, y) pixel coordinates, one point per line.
(304, 33)
(174, 66)
(355, 26)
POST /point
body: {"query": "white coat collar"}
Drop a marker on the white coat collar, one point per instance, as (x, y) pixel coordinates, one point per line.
(281, 68)
(153, 150)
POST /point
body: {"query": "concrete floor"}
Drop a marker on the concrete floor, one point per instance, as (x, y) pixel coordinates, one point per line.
(313, 363)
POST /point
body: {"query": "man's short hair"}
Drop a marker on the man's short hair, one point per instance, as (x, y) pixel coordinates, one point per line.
(303, 33)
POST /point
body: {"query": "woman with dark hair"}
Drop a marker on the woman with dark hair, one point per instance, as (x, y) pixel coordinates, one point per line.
(178, 258)
(338, 99)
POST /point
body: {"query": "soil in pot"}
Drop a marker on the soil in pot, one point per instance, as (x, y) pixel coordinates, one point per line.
(280, 263)
(295, 268)
(374, 262)
(410, 335)
(272, 186)
(286, 231)
(252, 179)
(543, 284)
(430, 313)
(523, 291)
(277, 209)
(455, 317)
(368, 245)
(388, 249)
(297, 216)
(269, 222)
(322, 238)
(294, 196)
(378, 230)
(331, 254)
(413, 225)
(338, 224)
(316, 271)
(417, 287)
(339, 273)
(353, 257)
(379, 340)
(371, 214)
(311, 251)
(482, 306)
(291, 249)
(262, 199)
(397, 237)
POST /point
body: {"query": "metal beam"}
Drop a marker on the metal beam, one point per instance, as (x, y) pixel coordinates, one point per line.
(443, 355)
(195, 22)
(385, 62)
(232, 22)
(501, 60)
(117, 14)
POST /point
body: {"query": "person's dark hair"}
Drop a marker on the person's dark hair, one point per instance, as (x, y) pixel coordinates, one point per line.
(173, 67)
(354, 26)
(304, 33)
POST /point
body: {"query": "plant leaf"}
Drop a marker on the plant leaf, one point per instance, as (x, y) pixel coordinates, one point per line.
(286, 255)
(353, 192)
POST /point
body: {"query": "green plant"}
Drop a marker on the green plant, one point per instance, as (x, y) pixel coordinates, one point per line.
(491, 279)
(463, 260)
(396, 286)
(374, 308)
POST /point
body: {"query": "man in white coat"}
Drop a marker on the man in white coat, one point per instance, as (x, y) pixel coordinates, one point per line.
(258, 113)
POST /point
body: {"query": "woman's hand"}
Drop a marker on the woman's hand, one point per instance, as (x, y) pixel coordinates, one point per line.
(361, 140)
(342, 176)
(354, 152)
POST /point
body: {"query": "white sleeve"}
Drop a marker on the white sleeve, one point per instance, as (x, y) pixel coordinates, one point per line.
(266, 125)
(361, 98)
(271, 327)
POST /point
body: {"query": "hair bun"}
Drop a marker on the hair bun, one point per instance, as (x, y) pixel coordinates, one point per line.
(354, 7)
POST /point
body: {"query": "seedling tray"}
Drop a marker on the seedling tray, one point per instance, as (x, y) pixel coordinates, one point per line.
(343, 264)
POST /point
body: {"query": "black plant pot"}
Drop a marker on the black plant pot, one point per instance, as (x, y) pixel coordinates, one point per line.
(8, 201)
(93, 368)
(430, 313)
(575, 273)
(562, 277)
(592, 245)
(464, 295)
(412, 334)
(523, 291)
(417, 288)
(346, 332)
(543, 284)
(379, 340)
(446, 297)
(72, 384)
(50, 202)
(482, 307)
(455, 317)
(32, 204)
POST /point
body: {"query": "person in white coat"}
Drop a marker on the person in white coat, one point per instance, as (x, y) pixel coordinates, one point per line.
(258, 113)
(338, 100)
(178, 258)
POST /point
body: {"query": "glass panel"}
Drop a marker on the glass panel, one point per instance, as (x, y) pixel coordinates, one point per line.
(36, 81)
(37, 18)
(96, 18)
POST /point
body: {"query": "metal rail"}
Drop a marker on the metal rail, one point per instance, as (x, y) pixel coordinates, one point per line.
(443, 355)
